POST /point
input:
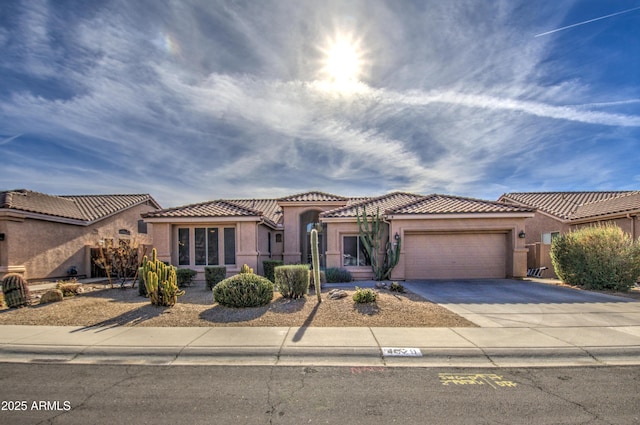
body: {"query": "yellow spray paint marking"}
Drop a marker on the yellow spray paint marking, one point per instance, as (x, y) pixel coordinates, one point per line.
(491, 379)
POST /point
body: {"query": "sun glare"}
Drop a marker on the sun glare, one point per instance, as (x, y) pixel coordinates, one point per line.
(343, 61)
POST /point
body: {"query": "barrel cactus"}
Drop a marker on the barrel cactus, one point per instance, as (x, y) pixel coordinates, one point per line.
(15, 290)
(161, 281)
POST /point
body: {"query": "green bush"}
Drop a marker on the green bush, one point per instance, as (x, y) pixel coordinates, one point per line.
(244, 290)
(185, 277)
(364, 295)
(69, 288)
(269, 268)
(597, 257)
(214, 275)
(397, 287)
(337, 275)
(292, 281)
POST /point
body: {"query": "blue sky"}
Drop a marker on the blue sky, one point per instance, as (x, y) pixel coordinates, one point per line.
(197, 100)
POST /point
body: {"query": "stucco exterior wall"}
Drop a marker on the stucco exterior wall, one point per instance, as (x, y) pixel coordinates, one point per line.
(335, 232)
(46, 249)
(247, 240)
(542, 223)
(292, 253)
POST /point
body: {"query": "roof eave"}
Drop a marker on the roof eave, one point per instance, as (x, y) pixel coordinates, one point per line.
(450, 216)
(201, 219)
(608, 216)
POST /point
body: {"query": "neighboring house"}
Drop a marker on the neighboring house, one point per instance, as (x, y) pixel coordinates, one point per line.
(440, 236)
(44, 236)
(560, 212)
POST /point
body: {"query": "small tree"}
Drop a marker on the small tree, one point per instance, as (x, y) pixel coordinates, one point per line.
(371, 234)
(120, 260)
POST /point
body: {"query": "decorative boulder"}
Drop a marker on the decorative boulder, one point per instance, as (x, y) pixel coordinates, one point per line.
(336, 294)
(51, 296)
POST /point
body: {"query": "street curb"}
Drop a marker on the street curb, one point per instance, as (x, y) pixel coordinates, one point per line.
(337, 356)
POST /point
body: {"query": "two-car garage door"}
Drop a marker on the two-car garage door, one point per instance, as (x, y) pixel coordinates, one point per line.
(455, 255)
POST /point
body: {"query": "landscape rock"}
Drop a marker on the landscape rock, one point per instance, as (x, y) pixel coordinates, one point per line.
(51, 296)
(381, 285)
(336, 294)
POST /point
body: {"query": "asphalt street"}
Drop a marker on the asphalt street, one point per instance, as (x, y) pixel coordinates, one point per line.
(127, 394)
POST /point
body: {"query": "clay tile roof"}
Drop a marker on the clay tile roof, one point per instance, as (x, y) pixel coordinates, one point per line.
(563, 205)
(384, 203)
(94, 207)
(217, 208)
(620, 204)
(269, 208)
(80, 207)
(445, 204)
(312, 197)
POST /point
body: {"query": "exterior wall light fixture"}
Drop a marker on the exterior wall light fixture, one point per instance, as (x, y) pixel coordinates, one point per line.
(521, 235)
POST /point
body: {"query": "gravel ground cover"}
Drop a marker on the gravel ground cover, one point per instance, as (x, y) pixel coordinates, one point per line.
(99, 305)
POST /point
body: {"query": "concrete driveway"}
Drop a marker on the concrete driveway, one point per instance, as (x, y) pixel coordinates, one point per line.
(516, 304)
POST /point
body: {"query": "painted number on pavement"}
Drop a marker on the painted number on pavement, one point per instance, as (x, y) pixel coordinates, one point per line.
(401, 352)
(491, 379)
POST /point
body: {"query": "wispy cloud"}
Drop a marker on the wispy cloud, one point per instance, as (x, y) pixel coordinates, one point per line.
(202, 100)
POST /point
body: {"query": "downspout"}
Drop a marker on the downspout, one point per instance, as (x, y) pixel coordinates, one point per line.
(633, 225)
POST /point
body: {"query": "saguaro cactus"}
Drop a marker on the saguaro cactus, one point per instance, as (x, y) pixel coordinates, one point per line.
(15, 290)
(160, 280)
(315, 259)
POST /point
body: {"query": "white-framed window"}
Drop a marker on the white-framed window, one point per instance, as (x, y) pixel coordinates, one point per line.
(547, 238)
(206, 246)
(353, 253)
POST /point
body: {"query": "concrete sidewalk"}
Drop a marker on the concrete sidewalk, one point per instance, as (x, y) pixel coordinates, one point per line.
(356, 347)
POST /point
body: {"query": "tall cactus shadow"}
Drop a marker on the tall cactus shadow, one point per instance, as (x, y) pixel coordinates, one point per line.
(129, 318)
(300, 332)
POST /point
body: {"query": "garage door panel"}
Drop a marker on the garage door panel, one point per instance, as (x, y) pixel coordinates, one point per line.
(455, 256)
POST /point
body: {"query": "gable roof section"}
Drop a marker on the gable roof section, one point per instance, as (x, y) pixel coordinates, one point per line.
(385, 203)
(268, 208)
(445, 204)
(217, 208)
(313, 197)
(82, 208)
(576, 205)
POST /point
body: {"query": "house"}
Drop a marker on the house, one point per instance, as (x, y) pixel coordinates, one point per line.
(560, 212)
(440, 236)
(44, 236)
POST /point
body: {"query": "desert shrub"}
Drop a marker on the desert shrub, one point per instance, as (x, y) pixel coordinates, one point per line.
(52, 296)
(292, 281)
(323, 279)
(69, 288)
(597, 257)
(246, 269)
(185, 277)
(364, 295)
(269, 268)
(244, 290)
(214, 275)
(397, 287)
(338, 275)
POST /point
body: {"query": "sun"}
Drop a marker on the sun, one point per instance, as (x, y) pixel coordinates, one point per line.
(343, 61)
